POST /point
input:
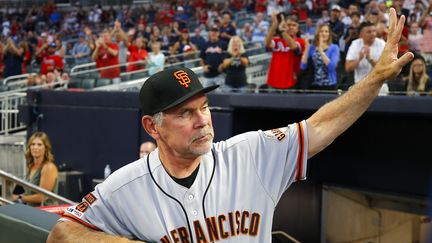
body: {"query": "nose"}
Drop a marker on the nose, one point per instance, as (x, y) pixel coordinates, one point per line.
(202, 119)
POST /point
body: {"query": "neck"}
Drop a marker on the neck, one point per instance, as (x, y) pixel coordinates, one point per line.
(38, 161)
(178, 166)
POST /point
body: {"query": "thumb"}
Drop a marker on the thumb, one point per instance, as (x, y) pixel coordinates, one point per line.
(405, 59)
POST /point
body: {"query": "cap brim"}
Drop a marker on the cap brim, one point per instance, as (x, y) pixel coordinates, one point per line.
(190, 95)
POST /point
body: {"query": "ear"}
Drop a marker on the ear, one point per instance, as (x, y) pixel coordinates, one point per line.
(150, 127)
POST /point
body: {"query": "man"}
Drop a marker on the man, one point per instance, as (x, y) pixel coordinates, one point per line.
(212, 57)
(363, 53)
(287, 50)
(197, 39)
(146, 148)
(50, 61)
(106, 54)
(191, 190)
(336, 26)
(259, 28)
(81, 51)
(227, 29)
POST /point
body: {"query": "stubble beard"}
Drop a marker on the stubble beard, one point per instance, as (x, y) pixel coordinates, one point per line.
(204, 148)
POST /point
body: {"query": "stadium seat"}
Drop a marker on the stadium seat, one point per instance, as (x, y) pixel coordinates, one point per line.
(88, 83)
(74, 83)
(138, 75)
(103, 82)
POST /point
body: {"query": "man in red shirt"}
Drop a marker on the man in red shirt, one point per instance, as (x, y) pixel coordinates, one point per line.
(51, 61)
(106, 54)
(137, 52)
(287, 50)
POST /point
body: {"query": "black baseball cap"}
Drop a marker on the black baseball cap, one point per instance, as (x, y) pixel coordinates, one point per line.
(168, 88)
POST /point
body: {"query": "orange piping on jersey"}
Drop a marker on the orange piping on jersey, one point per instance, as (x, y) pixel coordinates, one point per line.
(300, 153)
(80, 221)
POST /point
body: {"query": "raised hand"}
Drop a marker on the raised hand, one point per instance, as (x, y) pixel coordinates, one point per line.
(389, 65)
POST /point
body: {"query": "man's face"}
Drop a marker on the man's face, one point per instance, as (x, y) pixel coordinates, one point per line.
(292, 27)
(368, 34)
(213, 35)
(106, 37)
(334, 14)
(187, 129)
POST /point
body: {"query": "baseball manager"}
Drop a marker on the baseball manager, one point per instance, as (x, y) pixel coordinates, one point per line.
(193, 190)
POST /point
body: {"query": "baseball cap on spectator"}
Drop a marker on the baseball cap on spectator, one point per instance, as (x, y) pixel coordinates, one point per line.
(44, 34)
(336, 7)
(185, 30)
(81, 34)
(52, 44)
(180, 8)
(214, 28)
(169, 88)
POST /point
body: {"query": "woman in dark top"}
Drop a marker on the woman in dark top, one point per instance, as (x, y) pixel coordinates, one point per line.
(13, 59)
(419, 81)
(234, 65)
(41, 170)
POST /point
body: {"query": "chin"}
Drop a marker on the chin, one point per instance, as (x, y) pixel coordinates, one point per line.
(203, 149)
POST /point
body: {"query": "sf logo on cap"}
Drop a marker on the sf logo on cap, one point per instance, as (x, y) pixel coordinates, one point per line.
(183, 78)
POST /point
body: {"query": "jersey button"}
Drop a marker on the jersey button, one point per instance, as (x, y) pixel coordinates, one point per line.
(191, 197)
(194, 212)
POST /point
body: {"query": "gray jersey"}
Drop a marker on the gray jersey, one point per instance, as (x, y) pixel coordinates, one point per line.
(231, 200)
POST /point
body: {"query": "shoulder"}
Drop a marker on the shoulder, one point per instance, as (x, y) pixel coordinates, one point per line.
(49, 167)
(126, 175)
(334, 47)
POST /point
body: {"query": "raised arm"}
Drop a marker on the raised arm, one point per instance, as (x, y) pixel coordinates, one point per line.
(69, 232)
(334, 118)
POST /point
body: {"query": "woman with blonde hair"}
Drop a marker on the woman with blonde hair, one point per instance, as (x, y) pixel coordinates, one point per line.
(418, 79)
(234, 65)
(323, 57)
(41, 170)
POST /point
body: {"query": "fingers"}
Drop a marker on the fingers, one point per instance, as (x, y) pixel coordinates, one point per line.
(405, 59)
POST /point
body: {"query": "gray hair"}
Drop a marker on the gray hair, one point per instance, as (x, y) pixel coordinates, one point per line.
(158, 118)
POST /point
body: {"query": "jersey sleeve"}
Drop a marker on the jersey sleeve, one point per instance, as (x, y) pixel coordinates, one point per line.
(352, 52)
(95, 212)
(280, 157)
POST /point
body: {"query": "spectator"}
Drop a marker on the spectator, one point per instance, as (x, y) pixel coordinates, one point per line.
(211, 57)
(156, 59)
(336, 26)
(106, 54)
(234, 65)
(227, 29)
(352, 8)
(310, 29)
(146, 148)
(426, 24)
(246, 32)
(41, 170)
(181, 17)
(259, 28)
(60, 49)
(364, 53)
(12, 59)
(324, 56)
(325, 17)
(42, 47)
(183, 49)
(122, 42)
(287, 50)
(198, 40)
(137, 52)
(81, 51)
(51, 61)
(352, 31)
(414, 37)
(418, 79)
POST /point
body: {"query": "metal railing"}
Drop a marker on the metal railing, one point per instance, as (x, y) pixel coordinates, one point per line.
(6, 177)
(9, 104)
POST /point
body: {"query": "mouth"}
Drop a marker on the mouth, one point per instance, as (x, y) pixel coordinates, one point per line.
(203, 139)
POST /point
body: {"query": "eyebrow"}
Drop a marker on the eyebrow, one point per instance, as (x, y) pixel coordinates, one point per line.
(182, 110)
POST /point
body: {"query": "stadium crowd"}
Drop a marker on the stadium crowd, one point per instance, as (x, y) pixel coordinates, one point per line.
(315, 44)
